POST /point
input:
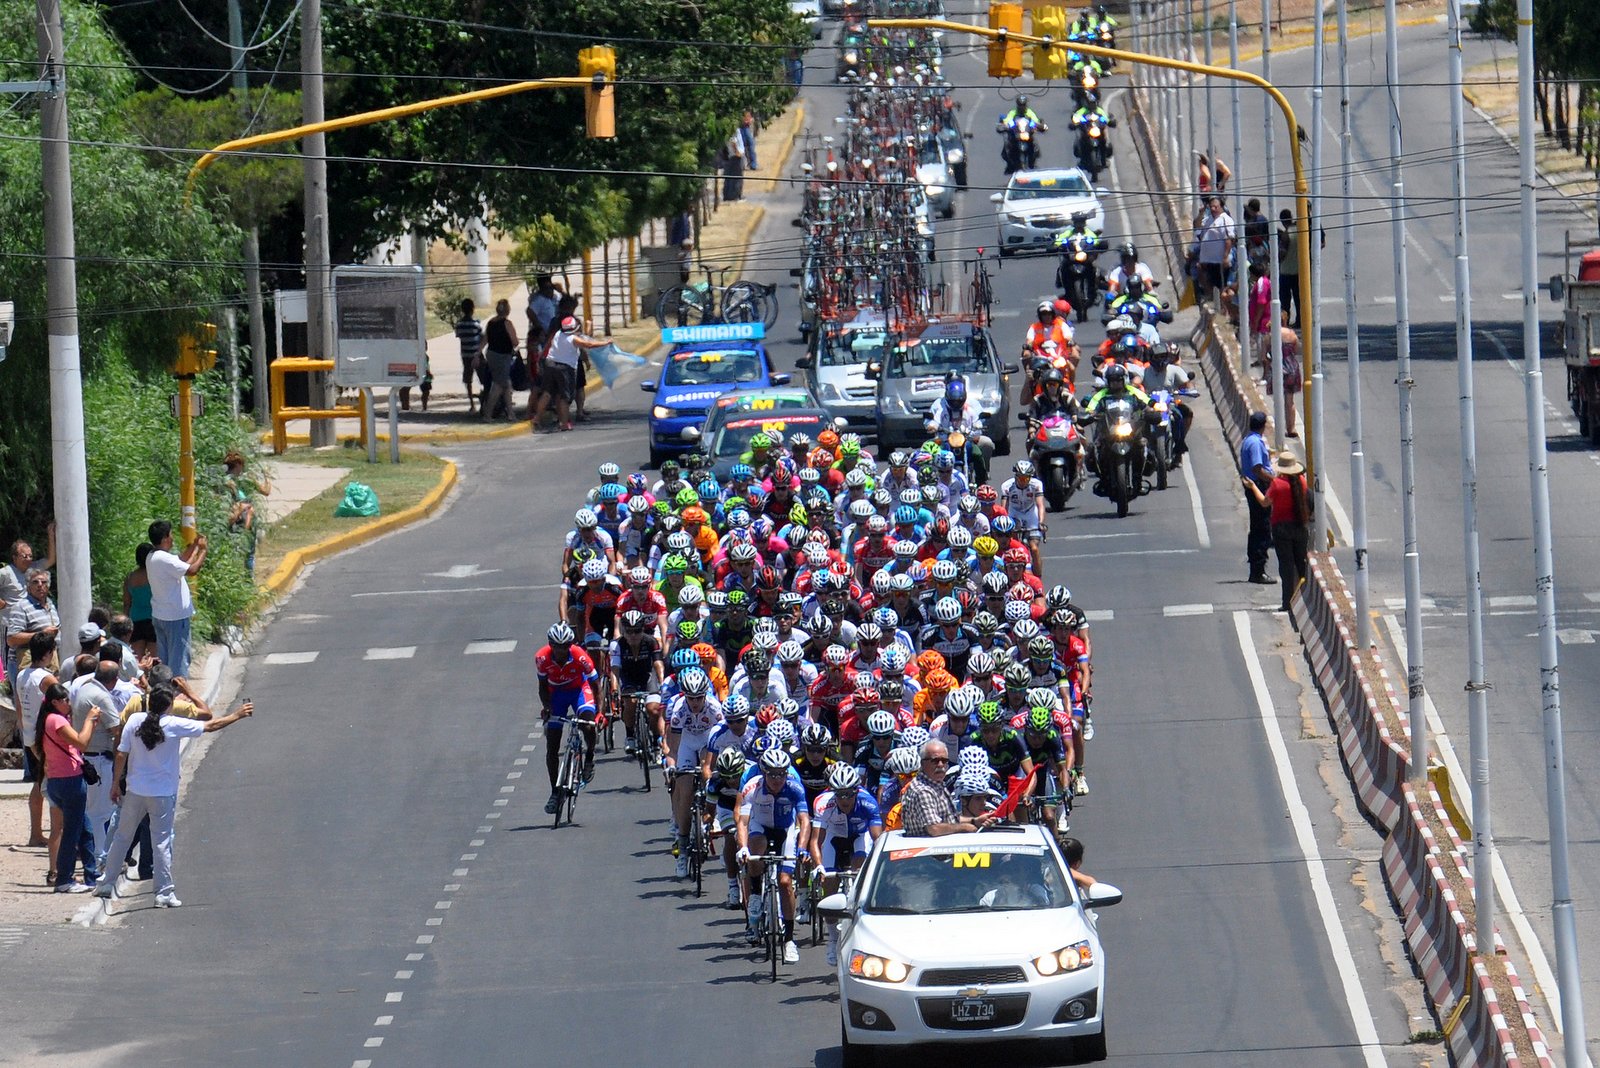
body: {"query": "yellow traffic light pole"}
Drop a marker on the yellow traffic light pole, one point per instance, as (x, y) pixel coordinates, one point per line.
(1301, 192)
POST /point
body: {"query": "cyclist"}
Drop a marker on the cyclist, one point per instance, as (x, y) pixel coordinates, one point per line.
(869, 756)
(692, 716)
(722, 797)
(586, 534)
(955, 728)
(1047, 747)
(598, 593)
(636, 673)
(816, 760)
(847, 821)
(566, 679)
(1008, 754)
(949, 636)
(772, 815)
(1023, 495)
(735, 732)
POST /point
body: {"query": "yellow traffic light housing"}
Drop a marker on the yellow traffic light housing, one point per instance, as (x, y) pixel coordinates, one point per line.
(197, 352)
(599, 63)
(1005, 55)
(1049, 60)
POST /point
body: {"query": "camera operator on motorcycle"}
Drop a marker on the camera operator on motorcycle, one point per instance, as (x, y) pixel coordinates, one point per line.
(1020, 152)
(952, 414)
(1163, 374)
(1116, 385)
(1052, 328)
(1053, 399)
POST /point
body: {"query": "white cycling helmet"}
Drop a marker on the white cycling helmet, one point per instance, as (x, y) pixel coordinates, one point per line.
(902, 761)
(791, 652)
(560, 634)
(781, 731)
(961, 703)
(843, 777)
(694, 683)
(586, 519)
(594, 570)
(948, 609)
(880, 724)
(776, 759)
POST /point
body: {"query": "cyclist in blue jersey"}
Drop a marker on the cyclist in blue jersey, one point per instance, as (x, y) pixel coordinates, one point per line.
(772, 810)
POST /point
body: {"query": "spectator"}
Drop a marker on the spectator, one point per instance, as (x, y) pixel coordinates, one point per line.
(171, 606)
(733, 168)
(1255, 470)
(500, 349)
(469, 331)
(680, 235)
(561, 370)
(542, 305)
(1290, 377)
(148, 755)
(99, 748)
(14, 575)
(1289, 501)
(242, 490)
(28, 689)
(747, 132)
(927, 809)
(90, 637)
(136, 602)
(1204, 178)
(1289, 268)
(34, 613)
(1214, 236)
(62, 746)
(1072, 849)
(1260, 314)
(1257, 230)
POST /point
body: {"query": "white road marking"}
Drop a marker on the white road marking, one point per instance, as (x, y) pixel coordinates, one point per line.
(1398, 604)
(290, 658)
(1173, 610)
(1130, 552)
(1573, 636)
(1521, 600)
(393, 995)
(453, 590)
(383, 1021)
(1383, 300)
(460, 571)
(1203, 534)
(1332, 925)
(1100, 615)
(398, 652)
(1544, 977)
(508, 645)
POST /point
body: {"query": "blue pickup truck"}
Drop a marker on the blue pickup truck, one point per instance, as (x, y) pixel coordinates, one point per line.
(703, 363)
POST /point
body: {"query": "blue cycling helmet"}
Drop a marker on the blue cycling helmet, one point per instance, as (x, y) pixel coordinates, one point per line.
(611, 491)
(708, 490)
(743, 471)
(905, 515)
(955, 391)
(946, 461)
(684, 658)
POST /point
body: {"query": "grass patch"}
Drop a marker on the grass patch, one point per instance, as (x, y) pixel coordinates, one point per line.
(398, 486)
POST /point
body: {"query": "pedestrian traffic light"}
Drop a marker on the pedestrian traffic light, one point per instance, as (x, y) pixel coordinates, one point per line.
(1049, 60)
(599, 63)
(197, 352)
(1005, 54)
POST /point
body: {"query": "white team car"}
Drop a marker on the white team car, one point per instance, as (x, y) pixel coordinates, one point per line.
(969, 938)
(1038, 205)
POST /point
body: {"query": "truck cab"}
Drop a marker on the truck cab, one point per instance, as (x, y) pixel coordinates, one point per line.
(1580, 338)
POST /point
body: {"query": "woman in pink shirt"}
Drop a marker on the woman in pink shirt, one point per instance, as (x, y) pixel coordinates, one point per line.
(71, 839)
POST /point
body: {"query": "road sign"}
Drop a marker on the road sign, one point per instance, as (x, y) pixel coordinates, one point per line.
(689, 335)
(378, 337)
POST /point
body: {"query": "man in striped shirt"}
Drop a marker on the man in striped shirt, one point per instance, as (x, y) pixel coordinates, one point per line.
(470, 333)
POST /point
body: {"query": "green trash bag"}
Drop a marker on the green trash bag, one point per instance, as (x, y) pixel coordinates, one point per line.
(359, 500)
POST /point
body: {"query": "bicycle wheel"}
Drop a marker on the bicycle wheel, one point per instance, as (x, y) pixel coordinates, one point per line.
(644, 740)
(813, 897)
(697, 850)
(756, 302)
(563, 776)
(681, 306)
(575, 758)
(774, 924)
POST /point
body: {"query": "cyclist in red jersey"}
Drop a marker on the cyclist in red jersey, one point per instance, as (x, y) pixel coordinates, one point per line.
(566, 676)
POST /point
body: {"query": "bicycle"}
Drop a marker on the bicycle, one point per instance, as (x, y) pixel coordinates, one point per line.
(699, 837)
(605, 716)
(644, 740)
(569, 775)
(712, 301)
(770, 933)
(847, 882)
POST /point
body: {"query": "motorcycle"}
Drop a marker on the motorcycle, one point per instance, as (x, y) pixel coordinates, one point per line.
(971, 459)
(1160, 431)
(1118, 453)
(1021, 150)
(1056, 450)
(1085, 89)
(1077, 276)
(1093, 150)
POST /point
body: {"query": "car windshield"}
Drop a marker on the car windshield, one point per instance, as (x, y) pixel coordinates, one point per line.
(929, 880)
(707, 367)
(929, 153)
(856, 347)
(937, 355)
(732, 439)
(1068, 185)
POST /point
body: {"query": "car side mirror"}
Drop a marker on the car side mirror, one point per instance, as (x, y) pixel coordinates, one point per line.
(1100, 895)
(1009, 368)
(837, 906)
(1102, 191)
(691, 434)
(997, 198)
(648, 387)
(1558, 287)
(797, 272)
(780, 379)
(805, 363)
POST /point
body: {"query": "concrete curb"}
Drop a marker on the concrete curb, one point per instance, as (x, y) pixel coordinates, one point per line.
(282, 578)
(1329, 35)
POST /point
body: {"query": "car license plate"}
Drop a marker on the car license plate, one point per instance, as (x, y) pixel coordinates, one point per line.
(972, 1010)
(925, 385)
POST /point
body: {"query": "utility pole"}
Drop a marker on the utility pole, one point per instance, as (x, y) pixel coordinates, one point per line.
(1313, 338)
(319, 273)
(68, 463)
(1186, 168)
(1241, 271)
(1477, 685)
(1562, 918)
(1415, 689)
(1352, 344)
(1280, 402)
(1211, 128)
(252, 244)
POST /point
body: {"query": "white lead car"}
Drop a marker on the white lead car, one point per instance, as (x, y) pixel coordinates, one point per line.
(970, 938)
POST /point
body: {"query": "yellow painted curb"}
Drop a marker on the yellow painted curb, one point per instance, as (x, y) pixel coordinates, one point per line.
(295, 562)
(1469, 97)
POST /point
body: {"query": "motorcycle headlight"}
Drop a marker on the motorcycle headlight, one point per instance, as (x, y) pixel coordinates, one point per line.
(1122, 430)
(1024, 135)
(1081, 256)
(661, 411)
(1071, 959)
(1159, 406)
(1094, 131)
(956, 155)
(882, 969)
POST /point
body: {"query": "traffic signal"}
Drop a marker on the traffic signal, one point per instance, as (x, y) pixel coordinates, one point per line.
(1005, 55)
(1050, 61)
(600, 117)
(197, 352)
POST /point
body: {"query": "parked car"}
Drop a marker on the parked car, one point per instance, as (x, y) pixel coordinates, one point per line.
(1038, 205)
(696, 373)
(970, 938)
(954, 144)
(933, 171)
(835, 369)
(912, 377)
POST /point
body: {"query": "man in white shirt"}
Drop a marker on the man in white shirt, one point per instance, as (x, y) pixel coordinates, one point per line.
(171, 606)
(94, 691)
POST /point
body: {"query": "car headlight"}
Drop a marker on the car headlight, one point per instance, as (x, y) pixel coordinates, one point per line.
(1073, 958)
(828, 391)
(935, 190)
(661, 411)
(955, 155)
(882, 969)
(1122, 430)
(1016, 216)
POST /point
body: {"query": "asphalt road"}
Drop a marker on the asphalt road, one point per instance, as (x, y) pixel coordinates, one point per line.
(1517, 740)
(369, 876)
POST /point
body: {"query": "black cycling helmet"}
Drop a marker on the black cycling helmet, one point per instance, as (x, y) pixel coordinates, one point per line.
(1116, 376)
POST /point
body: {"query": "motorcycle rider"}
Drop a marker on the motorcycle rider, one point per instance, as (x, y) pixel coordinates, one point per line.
(1012, 123)
(1117, 328)
(1163, 374)
(1052, 327)
(1117, 387)
(1085, 115)
(1129, 266)
(1053, 399)
(951, 413)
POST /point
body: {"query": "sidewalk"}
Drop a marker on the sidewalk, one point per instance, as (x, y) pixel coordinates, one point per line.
(724, 240)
